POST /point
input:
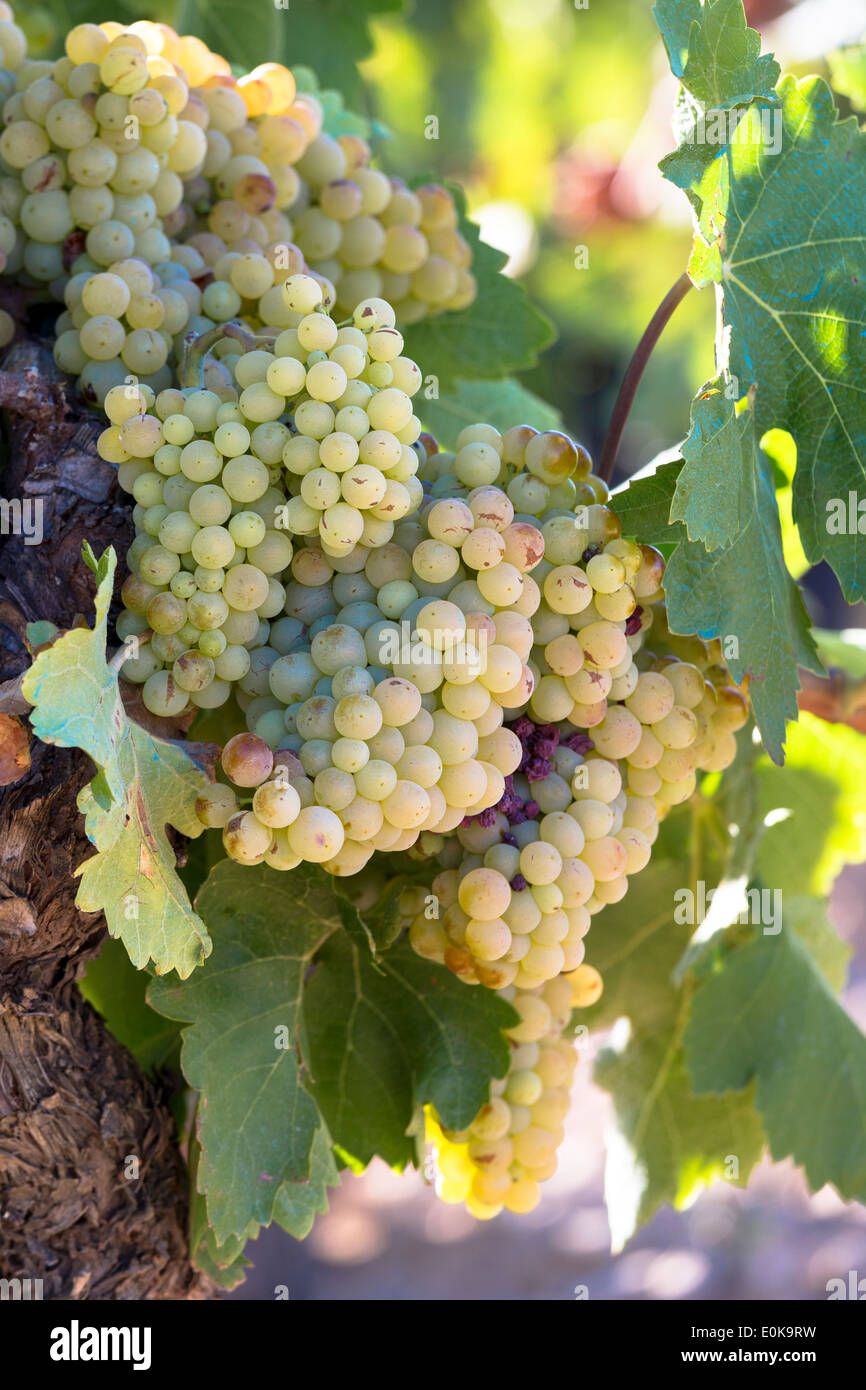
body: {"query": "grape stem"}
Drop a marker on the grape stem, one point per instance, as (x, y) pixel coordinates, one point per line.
(627, 391)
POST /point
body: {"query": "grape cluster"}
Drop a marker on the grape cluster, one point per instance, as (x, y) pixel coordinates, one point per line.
(149, 189)
(495, 692)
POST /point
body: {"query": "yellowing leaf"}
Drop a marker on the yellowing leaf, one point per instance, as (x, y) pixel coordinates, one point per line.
(143, 784)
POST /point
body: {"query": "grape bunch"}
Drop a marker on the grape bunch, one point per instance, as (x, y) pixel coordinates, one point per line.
(149, 189)
(453, 656)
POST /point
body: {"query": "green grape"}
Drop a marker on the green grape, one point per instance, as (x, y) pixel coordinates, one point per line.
(162, 696)
(210, 505)
(247, 530)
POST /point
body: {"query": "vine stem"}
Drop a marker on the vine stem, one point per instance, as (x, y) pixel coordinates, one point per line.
(627, 391)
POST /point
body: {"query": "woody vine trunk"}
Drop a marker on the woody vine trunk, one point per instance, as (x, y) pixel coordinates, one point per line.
(74, 1106)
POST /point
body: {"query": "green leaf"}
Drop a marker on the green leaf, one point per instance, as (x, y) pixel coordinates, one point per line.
(296, 1206)
(807, 918)
(499, 333)
(143, 784)
(778, 231)
(675, 19)
(715, 594)
(848, 74)
(766, 1014)
(382, 921)
(714, 489)
(382, 1038)
(333, 37)
(667, 1143)
(117, 991)
(35, 634)
(498, 403)
(336, 119)
(636, 953)
(93, 719)
(821, 789)
(714, 52)
(256, 1122)
(644, 506)
(299, 1203)
(717, 58)
(225, 1263)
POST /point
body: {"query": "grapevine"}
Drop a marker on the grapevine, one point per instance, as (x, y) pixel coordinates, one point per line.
(461, 698)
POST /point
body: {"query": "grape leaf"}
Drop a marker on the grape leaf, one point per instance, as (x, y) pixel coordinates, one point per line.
(117, 991)
(766, 1014)
(499, 333)
(782, 453)
(821, 789)
(291, 32)
(382, 921)
(715, 594)
(807, 918)
(714, 490)
(714, 53)
(718, 60)
(257, 1124)
(498, 403)
(299, 1203)
(644, 505)
(225, 1263)
(143, 783)
(296, 1206)
(381, 1038)
(667, 1143)
(331, 36)
(636, 953)
(777, 230)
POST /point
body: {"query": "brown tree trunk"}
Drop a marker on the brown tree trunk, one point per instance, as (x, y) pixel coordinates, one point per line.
(74, 1107)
